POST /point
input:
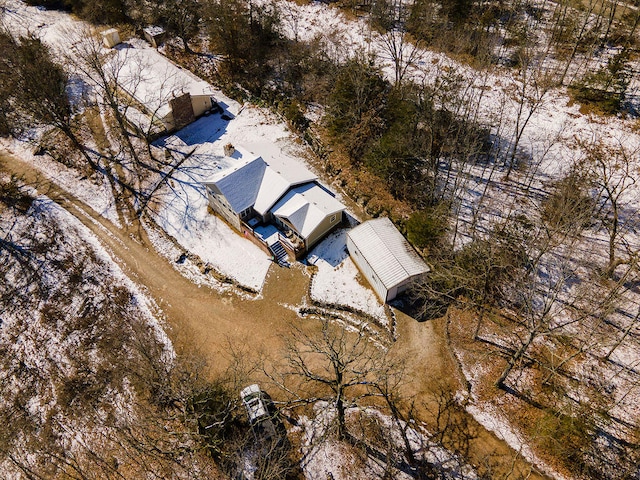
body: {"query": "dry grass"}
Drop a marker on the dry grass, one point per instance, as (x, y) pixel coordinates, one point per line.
(542, 404)
(368, 190)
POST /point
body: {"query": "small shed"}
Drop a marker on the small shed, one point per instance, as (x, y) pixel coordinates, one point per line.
(154, 35)
(110, 38)
(385, 258)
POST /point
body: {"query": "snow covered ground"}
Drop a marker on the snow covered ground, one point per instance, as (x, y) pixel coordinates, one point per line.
(60, 329)
(338, 280)
(325, 458)
(183, 213)
(147, 308)
(254, 132)
(97, 194)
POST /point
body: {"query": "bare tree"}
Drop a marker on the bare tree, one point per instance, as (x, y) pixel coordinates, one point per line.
(337, 366)
(402, 51)
(182, 18)
(540, 298)
(612, 169)
(121, 77)
(34, 90)
(529, 95)
(103, 69)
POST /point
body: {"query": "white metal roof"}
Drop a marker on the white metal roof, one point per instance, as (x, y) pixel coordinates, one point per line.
(272, 187)
(283, 163)
(153, 30)
(151, 78)
(388, 253)
(306, 206)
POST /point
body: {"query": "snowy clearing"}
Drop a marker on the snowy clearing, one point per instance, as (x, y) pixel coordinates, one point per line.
(324, 457)
(338, 281)
(184, 216)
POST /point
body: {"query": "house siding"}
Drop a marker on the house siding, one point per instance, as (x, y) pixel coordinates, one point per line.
(321, 230)
(222, 208)
(200, 104)
(367, 271)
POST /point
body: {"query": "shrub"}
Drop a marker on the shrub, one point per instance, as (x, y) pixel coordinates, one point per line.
(427, 228)
(569, 205)
(293, 112)
(605, 88)
(565, 436)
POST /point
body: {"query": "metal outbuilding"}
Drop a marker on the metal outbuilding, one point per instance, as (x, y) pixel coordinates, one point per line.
(385, 258)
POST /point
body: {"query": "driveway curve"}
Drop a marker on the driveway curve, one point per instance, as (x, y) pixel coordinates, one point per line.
(203, 318)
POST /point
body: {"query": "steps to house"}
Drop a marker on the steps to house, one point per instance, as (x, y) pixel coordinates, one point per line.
(279, 253)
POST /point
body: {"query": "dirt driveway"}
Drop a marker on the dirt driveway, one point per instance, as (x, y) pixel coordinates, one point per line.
(213, 321)
(193, 313)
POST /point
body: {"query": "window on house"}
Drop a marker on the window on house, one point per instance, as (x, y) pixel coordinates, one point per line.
(333, 218)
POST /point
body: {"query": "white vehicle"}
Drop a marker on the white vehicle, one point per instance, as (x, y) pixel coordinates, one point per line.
(253, 400)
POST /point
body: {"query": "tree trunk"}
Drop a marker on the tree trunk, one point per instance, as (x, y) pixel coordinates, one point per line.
(479, 324)
(625, 334)
(185, 43)
(340, 410)
(515, 358)
(613, 234)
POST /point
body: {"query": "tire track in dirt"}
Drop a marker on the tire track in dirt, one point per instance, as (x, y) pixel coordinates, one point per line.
(196, 314)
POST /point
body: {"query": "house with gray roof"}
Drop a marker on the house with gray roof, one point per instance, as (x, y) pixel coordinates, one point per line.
(232, 193)
(288, 211)
(309, 211)
(385, 257)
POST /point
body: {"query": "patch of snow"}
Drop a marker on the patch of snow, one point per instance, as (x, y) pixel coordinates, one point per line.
(326, 457)
(486, 415)
(42, 345)
(98, 196)
(186, 267)
(147, 307)
(185, 217)
(183, 211)
(337, 280)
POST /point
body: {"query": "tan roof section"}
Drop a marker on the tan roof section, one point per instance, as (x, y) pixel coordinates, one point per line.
(306, 207)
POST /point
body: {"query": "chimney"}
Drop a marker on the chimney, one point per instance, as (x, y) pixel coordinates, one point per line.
(229, 150)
